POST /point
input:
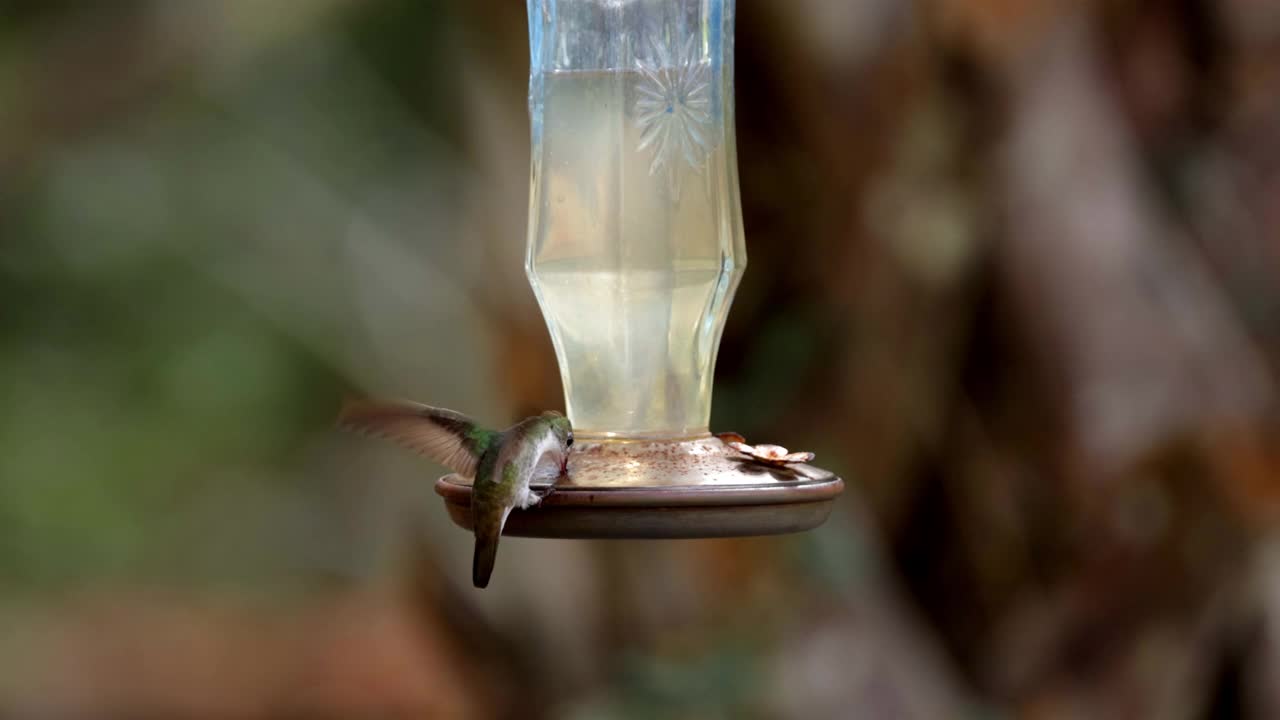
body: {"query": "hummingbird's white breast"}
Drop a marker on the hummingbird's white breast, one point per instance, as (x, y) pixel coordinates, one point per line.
(548, 455)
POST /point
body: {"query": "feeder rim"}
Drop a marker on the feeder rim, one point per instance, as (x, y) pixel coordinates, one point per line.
(455, 489)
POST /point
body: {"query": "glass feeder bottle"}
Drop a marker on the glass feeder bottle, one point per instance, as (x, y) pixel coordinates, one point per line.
(635, 239)
(635, 248)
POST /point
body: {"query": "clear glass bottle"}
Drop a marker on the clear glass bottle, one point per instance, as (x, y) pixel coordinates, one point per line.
(635, 226)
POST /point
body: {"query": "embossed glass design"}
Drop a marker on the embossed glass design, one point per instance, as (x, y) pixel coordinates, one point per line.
(635, 232)
(673, 112)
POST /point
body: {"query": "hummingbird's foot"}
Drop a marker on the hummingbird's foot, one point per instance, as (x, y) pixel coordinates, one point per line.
(532, 497)
(540, 496)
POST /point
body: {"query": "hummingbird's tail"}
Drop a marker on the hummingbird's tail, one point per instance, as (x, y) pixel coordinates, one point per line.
(488, 530)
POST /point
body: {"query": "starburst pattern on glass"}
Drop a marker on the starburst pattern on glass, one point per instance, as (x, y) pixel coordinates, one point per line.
(673, 110)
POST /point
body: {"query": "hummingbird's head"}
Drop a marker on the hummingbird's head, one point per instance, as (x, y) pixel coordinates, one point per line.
(560, 426)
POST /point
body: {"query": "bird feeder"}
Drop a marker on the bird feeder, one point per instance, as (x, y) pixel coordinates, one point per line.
(635, 248)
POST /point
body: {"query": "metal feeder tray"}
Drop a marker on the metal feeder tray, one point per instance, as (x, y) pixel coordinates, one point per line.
(694, 488)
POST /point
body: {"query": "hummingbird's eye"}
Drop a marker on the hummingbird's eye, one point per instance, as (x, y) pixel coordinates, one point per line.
(569, 442)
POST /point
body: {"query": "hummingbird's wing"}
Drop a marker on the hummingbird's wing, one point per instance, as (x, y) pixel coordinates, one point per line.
(450, 438)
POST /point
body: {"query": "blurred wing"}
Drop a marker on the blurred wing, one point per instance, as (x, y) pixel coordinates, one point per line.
(451, 439)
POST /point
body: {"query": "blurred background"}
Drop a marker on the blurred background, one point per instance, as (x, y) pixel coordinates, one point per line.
(1015, 274)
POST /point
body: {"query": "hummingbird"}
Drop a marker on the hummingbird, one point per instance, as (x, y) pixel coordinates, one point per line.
(503, 463)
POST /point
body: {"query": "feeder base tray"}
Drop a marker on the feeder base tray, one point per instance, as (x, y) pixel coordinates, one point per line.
(694, 488)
